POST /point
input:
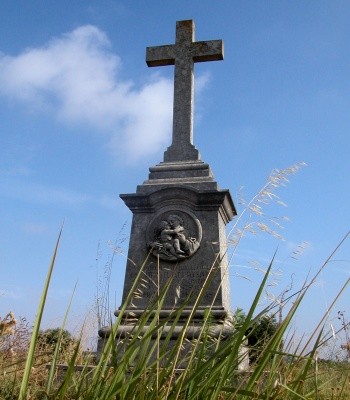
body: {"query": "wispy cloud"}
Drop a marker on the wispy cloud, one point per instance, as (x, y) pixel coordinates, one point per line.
(38, 193)
(15, 171)
(42, 194)
(13, 294)
(35, 228)
(201, 82)
(77, 78)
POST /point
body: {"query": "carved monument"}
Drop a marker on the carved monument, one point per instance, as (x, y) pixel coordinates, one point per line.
(180, 213)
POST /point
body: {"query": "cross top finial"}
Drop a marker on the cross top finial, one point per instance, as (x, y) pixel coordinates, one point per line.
(183, 54)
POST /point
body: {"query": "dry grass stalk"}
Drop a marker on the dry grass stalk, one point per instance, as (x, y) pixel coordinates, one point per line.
(8, 324)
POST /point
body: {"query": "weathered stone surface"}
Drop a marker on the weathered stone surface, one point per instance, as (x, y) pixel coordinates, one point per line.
(204, 215)
(183, 54)
(179, 215)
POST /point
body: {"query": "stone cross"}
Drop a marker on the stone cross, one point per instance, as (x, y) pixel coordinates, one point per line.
(183, 54)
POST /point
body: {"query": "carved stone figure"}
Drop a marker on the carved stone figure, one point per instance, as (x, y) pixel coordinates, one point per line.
(172, 241)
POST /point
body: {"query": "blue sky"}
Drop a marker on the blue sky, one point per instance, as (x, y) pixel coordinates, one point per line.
(82, 119)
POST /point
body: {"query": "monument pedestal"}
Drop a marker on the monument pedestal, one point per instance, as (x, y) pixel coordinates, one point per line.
(181, 222)
(178, 238)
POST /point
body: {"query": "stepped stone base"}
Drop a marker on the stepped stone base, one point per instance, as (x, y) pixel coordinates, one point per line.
(220, 327)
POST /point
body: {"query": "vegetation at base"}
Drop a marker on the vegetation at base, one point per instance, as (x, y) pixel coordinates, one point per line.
(146, 368)
(259, 332)
(49, 338)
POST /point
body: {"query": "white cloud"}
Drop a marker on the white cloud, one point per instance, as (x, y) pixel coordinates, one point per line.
(109, 202)
(12, 294)
(15, 171)
(42, 194)
(34, 228)
(76, 77)
(201, 82)
(37, 193)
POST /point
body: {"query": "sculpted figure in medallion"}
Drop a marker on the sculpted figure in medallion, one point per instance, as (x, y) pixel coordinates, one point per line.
(172, 241)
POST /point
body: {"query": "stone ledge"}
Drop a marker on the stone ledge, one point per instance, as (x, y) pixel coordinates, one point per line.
(192, 332)
(180, 166)
(215, 312)
(207, 199)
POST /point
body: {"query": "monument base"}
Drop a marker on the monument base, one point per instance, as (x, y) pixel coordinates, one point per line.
(170, 338)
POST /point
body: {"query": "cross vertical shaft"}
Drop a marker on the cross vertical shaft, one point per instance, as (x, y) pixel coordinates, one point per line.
(183, 54)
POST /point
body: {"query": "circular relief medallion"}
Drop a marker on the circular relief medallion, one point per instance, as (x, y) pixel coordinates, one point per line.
(174, 235)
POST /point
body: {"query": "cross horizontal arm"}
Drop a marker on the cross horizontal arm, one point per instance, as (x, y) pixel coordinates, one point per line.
(160, 55)
(211, 50)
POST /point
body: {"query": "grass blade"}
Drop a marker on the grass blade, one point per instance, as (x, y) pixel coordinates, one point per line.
(36, 328)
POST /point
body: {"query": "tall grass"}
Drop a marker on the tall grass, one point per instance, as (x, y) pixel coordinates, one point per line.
(210, 364)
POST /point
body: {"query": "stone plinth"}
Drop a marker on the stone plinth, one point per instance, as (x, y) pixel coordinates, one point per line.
(183, 200)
